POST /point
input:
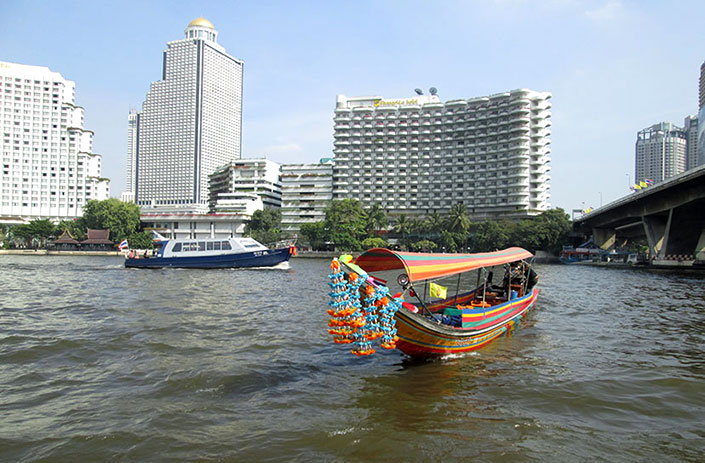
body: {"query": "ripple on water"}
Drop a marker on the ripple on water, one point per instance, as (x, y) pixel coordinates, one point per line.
(100, 363)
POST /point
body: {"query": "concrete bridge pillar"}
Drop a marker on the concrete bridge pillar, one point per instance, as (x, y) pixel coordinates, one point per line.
(700, 248)
(604, 237)
(657, 229)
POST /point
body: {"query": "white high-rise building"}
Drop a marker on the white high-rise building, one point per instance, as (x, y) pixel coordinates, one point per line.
(190, 123)
(49, 169)
(259, 177)
(700, 150)
(660, 152)
(418, 155)
(690, 126)
(132, 130)
(307, 190)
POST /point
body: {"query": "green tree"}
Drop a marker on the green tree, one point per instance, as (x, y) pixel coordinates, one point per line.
(140, 240)
(369, 243)
(316, 234)
(448, 241)
(553, 228)
(489, 236)
(40, 231)
(458, 219)
(265, 225)
(376, 218)
(424, 246)
(21, 235)
(122, 219)
(75, 228)
(345, 223)
(434, 224)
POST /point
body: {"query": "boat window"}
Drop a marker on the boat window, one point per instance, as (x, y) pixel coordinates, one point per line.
(201, 245)
(176, 248)
(216, 245)
(209, 246)
(226, 245)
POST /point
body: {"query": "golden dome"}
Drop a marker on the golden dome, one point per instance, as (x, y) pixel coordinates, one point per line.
(203, 22)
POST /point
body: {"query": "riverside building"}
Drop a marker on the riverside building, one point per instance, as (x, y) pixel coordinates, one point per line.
(49, 169)
(189, 125)
(307, 190)
(701, 117)
(660, 152)
(419, 155)
(258, 177)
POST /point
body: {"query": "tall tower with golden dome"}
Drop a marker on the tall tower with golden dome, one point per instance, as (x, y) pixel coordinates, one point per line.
(190, 123)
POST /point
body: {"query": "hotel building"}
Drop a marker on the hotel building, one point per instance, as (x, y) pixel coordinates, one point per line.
(258, 177)
(49, 169)
(660, 152)
(418, 155)
(189, 125)
(306, 193)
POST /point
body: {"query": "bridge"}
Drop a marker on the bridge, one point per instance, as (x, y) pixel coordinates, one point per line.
(669, 215)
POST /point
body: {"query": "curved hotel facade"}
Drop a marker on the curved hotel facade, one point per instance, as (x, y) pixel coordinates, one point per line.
(419, 155)
(49, 169)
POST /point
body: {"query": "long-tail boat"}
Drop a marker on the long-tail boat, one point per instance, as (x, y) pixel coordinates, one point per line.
(403, 298)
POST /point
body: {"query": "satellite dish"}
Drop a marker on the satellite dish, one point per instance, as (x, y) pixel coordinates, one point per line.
(418, 91)
(433, 90)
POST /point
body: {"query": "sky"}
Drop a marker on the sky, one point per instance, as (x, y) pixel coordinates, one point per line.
(614, 67)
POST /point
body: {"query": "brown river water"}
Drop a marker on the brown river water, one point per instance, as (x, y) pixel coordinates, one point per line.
(102, 363)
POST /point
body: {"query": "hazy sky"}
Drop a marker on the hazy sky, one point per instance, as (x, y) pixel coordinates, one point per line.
(614, 67)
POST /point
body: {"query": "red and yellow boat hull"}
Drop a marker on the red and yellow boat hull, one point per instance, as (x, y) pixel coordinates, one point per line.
(424, 338)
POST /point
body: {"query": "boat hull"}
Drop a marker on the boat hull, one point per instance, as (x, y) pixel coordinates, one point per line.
(422, 338)
(267, 258)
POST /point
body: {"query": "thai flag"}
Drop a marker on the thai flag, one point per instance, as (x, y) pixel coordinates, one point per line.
(649, 181)
(123, 245)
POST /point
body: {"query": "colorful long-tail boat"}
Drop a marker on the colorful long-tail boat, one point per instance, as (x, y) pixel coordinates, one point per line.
(400, 298)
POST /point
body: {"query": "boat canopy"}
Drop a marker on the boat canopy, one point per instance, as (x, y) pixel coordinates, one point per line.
(424, 266)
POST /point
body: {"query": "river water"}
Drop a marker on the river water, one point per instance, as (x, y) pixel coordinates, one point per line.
(102, 363)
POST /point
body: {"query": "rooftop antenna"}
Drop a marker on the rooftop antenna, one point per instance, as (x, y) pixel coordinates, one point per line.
(433, 91)
(418, 91)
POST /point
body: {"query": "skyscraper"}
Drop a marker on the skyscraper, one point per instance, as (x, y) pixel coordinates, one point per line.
(49, 169)
(690, 125)
(660, 152)
(190, 123)
(701, 117)
(418, 155)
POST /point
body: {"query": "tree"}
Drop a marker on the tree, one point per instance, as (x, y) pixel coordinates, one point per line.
(315, 233)
(489, 236)
(41, 230)
(75, 228)
(553, 228)
(424, 246)
(369, 243)
(140, 240)
(345, 224)
(448, 241)
(458, 219)
(122, 219)
(434, 224)
(265, 225)
(376, 218)
(21, 234)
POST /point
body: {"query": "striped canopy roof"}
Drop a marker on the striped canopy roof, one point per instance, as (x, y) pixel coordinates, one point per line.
(424, 266)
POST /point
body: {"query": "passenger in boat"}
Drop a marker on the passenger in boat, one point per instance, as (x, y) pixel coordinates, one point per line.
(517, 273)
